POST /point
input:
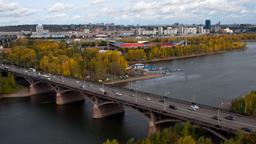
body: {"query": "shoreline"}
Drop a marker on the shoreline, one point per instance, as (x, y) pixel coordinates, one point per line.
(23, 92)
(176, 58)
(145, 77)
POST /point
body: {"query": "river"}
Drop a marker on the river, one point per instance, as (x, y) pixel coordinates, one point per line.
(210, 80)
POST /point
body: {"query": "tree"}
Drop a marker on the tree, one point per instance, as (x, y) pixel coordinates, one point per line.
(186, 140)
(186, 129)
(203, 140)
(111, 142)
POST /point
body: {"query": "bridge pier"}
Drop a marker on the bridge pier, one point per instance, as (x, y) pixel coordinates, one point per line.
(62, 99)
(152, 128)
(106, 110)
(32, 90)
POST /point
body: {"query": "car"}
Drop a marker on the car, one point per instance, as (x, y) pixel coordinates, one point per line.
(77, 82)
(102, 90)
(6, 67)
(147, 98)
(32, 69)
(49, 78)
(216, 118)
(246, 129)
(161, 101)
(105, 93)
(195, 105)
(133, 95)
(119, 94)
(192, 108)
(83, 86)
(230, 117)
(172, 107)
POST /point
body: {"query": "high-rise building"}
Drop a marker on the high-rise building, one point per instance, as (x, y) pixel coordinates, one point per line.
(208, 24)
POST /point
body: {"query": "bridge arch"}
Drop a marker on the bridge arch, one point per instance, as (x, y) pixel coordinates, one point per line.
(168, 121)
(214, 132)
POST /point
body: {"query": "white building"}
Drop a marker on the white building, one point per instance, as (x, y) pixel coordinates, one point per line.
(40, 32)
(201, 30)
(86, 31)
(171, 31)
(228, 30)
(187, 30)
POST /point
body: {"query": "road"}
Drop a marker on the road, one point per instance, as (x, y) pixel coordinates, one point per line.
(203, 114)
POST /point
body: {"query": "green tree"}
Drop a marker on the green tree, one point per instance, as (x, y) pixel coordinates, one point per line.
(186, 140)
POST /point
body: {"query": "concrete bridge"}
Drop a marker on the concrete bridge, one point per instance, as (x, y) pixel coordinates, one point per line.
(109, 100)
(5, 40)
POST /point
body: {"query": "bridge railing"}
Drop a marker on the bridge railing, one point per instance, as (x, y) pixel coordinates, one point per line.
(174, 99)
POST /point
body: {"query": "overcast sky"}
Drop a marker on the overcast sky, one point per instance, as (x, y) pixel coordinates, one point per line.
(126, 12)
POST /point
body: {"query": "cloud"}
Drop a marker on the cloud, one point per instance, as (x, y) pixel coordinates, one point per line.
(60, 8)
(98, 1)
(14, 9)
(176, 9)
(76, 17)
(128, 11)
(57, 16)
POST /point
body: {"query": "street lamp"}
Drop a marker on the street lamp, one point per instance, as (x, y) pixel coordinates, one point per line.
(165, 97)
(219, 112)
(102, 85)
(136, 93)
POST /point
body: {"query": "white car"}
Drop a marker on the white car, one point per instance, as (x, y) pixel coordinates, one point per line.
(196, 107)
(102, 90)
(193, 108)
(147, 98)
(118, 94)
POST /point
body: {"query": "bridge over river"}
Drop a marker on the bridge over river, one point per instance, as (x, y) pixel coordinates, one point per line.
(110, 100)
(5, 40)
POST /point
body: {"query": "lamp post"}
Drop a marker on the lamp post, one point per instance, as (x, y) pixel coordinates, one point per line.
(165, 97)
(136, 94)
(219, 112)
(102, 85)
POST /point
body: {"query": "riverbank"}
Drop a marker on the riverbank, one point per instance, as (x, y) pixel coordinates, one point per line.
(176, 58)
(21, 92)
(144, 77)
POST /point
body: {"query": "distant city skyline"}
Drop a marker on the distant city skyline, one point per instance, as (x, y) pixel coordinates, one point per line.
(127, 12)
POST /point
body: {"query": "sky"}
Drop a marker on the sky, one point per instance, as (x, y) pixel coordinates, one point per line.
(127, 12)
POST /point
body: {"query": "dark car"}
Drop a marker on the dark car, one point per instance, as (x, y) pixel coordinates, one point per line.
(105, 92)
(230, 118)
(246, 129)
(172, 107)
(161, 101)
(216, 118)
